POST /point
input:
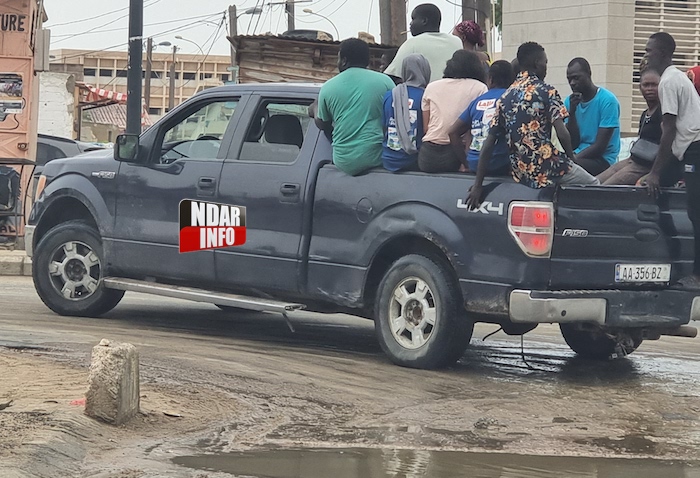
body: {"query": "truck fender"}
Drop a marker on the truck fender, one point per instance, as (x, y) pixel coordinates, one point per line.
(77, 187)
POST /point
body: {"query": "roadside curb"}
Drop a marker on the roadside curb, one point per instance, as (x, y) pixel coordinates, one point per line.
(15, 263)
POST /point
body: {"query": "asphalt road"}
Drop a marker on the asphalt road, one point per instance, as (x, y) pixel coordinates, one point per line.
(329, 384)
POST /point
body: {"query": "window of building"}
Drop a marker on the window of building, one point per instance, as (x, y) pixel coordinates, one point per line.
(189, 76)
(106, 73)
(154, 111)
(225, 77)
(122, 74)
(177, 75)
(671, 16)
(89, 72)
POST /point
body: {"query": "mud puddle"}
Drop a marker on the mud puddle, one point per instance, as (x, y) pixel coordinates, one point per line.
(380, 463)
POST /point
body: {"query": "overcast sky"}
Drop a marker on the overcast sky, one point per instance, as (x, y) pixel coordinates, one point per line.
(104, 24)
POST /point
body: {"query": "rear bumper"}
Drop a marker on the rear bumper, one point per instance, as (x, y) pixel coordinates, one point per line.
(612, 308)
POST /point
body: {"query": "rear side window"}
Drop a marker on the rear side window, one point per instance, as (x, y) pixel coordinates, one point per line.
(277, 131)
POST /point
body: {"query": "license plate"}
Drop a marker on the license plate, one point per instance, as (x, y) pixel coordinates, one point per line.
(643, 273)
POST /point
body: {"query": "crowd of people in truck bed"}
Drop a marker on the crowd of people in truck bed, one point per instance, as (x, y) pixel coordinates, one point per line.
(442, 106)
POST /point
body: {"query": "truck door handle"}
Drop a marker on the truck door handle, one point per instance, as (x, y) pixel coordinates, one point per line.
(289, 189)
(648, 213)
(206, 183)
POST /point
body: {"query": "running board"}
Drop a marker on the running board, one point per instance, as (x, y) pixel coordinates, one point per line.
(200, 295)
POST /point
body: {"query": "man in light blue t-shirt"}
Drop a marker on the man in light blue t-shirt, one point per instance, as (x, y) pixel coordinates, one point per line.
(594, 121)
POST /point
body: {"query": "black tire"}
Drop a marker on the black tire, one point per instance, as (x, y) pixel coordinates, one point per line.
(77, 274)
(593, 343)
(421, 345)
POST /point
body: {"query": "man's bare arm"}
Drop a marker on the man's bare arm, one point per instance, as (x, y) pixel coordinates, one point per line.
(572, 124)
(665, 155)
(458, 129)
(564, 137)
(325, 126)
(596, 150)
(476, 191)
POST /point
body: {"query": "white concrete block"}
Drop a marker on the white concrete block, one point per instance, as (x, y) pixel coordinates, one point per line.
(113, 391)
(11, 264)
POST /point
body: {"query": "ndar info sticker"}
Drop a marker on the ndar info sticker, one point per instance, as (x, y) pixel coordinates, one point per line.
(208, 225)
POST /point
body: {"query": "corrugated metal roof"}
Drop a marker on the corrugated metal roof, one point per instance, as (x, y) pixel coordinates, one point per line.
(268, 58)
(112, 115)
(305, 40)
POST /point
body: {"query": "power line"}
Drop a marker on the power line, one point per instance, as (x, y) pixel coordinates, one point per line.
(262, 5)
(216, 36)
(101, 15)
(148, 24)
(103, 25)
(180, 28)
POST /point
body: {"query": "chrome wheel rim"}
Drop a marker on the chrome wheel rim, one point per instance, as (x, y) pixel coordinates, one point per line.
(412, 313)
(75, 270)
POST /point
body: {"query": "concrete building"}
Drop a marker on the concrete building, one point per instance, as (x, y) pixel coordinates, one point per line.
(610, 34)
(107, 70)
(57, 97)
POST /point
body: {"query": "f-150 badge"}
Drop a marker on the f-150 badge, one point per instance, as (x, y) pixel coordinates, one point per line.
(104, 174)
(575, 233)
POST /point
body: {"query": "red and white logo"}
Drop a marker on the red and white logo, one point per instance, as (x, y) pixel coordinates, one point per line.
(208, 225)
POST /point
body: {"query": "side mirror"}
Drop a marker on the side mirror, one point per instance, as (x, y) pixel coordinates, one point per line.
(126, 148)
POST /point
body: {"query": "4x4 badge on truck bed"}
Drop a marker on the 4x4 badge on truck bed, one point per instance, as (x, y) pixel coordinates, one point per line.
(486, 207)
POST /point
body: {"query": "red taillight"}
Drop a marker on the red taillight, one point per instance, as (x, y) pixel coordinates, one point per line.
(530, 216)
(532, 226)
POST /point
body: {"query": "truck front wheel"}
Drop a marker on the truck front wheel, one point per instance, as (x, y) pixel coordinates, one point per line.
(67, 271)
(419, 316)
(593, 342)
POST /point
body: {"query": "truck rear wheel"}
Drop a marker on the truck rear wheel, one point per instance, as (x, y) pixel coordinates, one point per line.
(419, 316)
(595, 343)
(67, 271)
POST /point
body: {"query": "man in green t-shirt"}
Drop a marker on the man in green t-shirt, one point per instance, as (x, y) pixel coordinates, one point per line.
(350, 106)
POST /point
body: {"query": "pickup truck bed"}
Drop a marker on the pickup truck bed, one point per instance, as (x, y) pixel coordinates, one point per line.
(401, 249)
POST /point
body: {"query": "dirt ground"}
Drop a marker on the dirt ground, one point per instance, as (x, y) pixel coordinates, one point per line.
(245, 381)
(44, 430)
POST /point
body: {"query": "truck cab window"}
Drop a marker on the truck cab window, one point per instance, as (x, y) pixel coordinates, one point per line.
(198, 135)
(277, 132)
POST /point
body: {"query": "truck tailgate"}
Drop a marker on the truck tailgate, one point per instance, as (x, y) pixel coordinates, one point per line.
(599, 228)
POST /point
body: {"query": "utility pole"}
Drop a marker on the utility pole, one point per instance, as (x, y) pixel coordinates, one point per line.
(149, 67)
(477, 10)
(135, 68)
(171, 93)
(392, 19)
(233, 30)
(289, 11)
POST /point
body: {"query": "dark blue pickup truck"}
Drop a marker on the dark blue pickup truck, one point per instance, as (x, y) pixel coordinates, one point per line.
(401, 249)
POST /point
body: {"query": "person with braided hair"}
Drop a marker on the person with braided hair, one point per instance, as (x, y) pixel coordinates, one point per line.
(472, 36)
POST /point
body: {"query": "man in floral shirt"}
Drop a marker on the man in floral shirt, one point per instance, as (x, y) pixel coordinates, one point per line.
(528, 113)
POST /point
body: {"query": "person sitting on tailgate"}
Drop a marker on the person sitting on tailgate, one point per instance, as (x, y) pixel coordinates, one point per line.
(475, 123)
(403, 116)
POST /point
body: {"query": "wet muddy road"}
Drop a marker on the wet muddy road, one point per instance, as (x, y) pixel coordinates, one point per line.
(249, 384)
